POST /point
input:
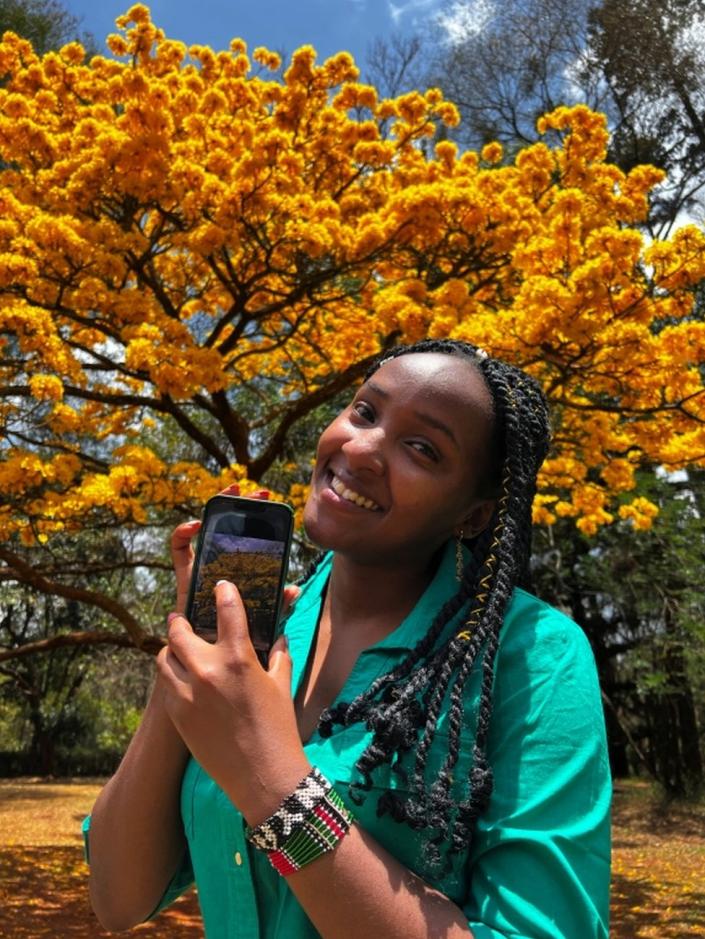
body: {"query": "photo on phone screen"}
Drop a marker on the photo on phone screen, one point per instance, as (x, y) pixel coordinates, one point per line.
(245, 541)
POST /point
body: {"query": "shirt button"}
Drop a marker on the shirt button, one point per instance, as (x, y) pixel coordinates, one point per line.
(238, 858)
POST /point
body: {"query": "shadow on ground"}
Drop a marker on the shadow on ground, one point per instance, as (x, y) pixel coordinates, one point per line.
(44, 895)
(658, 877)
(658, 886)
(637, 911)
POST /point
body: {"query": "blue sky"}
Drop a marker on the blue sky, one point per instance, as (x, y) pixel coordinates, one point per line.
(329, 25)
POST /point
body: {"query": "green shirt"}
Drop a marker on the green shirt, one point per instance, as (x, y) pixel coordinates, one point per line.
(538, 865)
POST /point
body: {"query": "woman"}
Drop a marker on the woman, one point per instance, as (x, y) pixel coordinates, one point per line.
(455, 719)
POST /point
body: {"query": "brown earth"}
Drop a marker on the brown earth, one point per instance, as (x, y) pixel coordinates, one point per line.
(658, 866)
(43, 876)
(658, 886)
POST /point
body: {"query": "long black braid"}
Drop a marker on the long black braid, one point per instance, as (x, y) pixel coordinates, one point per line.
(402, 708)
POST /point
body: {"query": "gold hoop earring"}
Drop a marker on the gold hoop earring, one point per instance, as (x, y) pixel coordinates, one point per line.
(459, 559)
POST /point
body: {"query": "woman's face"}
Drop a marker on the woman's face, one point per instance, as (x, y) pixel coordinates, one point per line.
(397, 472)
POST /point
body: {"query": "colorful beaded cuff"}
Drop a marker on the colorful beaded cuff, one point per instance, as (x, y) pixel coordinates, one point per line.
(291, 815)
(325, 826)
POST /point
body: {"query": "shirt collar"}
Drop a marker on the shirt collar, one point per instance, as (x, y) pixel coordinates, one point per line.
(300, 626)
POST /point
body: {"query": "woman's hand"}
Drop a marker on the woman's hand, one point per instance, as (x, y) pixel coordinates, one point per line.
(182, 553)
(237, 719)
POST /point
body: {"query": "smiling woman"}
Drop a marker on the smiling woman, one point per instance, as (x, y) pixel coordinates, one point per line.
(425, 754)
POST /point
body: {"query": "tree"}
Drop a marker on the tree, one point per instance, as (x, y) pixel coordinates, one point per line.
(195, 256)
(394, 65)
(506, 64)
(656, 91)
(43, 688)
(45, 23)
(70, 701)
(71, 708)
(639, 599)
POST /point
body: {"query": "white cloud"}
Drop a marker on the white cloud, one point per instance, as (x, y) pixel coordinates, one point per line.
(398, 11)
(462, 19)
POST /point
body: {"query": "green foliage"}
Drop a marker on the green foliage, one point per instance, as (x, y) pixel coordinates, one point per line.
(112, 698)
(46, 23)
(51, 702)
(639, 597)
(12, 725)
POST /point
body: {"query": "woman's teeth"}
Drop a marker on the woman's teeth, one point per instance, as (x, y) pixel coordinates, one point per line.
(340, 489)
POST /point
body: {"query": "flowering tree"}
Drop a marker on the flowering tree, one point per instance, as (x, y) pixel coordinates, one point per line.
(195, 254)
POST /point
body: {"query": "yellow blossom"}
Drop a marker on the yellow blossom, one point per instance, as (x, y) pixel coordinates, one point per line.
(46, 387)
(191, 241)
(492, 152)
(640, 512)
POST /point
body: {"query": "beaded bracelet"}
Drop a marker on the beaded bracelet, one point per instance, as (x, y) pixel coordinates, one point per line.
(310, 822)
(325, 827)
(291, 814)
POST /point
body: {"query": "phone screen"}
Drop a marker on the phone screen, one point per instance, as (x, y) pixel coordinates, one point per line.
(245, 541)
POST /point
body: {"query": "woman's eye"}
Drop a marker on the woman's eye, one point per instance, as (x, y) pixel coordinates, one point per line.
(363, 410)
(425, 449)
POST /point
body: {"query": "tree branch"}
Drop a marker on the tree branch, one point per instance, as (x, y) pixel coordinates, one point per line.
(26, 574)
(304, 405)
(84, 638)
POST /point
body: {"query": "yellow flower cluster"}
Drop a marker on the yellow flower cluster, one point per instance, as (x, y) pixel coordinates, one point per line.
(183, 233)
(46, 387)
(47, 497)
(641, 512)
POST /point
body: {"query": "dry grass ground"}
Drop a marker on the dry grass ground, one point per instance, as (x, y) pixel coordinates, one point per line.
(658, 866)
(658, 886)
(43, 891)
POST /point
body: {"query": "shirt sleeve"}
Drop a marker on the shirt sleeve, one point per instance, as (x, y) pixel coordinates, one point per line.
(179, 883)
(540, 862)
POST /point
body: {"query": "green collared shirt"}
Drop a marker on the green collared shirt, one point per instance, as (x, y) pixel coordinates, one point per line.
(538, 865)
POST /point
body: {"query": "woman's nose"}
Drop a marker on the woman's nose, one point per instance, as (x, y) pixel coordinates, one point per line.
(365, 450)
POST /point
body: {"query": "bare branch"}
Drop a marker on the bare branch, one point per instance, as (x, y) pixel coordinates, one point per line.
(152, 644)
(26, 574)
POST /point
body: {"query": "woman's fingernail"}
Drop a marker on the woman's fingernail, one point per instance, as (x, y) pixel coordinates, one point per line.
(171, 617)
(224, 591)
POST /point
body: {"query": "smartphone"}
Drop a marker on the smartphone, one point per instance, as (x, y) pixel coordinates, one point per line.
(247, 542)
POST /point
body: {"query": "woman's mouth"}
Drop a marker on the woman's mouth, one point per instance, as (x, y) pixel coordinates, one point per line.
(349, 495)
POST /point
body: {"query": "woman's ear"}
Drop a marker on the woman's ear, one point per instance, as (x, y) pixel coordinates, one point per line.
(478, 518)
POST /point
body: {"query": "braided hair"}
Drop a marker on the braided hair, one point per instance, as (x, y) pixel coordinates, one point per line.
(402, 707)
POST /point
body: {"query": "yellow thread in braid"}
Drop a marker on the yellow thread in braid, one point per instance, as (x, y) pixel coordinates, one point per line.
(484, 585)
